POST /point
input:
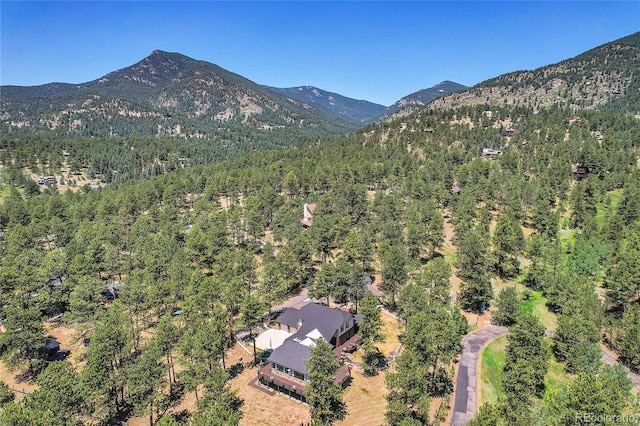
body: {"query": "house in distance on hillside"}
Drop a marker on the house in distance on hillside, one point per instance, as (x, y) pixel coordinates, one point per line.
(582, 171)
(307, 214)
(490, 152)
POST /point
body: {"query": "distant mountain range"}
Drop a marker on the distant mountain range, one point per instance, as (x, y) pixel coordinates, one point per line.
(173, 95)
(166, 94)
(365, 112)
(358, 111)
(169, 94)
(419, 99)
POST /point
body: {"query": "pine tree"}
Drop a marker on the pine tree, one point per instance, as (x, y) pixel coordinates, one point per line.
(526, 360)
(508, 240)
(371, 324)
(475, 291)
(507, 307)
(323, 395)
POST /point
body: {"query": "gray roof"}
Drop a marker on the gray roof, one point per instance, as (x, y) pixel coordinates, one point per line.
(313, 315)
(292, 355)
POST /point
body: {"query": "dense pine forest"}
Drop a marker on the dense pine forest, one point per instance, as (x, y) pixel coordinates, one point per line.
(185, 244)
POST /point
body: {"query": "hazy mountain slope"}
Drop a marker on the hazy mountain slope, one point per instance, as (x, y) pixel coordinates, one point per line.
(358, 111)
(49, 89)
(424, 96)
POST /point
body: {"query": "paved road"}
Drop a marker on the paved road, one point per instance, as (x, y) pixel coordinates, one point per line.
(607, 358)
(466, 403)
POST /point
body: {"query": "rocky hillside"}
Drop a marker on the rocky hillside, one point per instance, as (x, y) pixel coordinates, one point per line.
(606, 77)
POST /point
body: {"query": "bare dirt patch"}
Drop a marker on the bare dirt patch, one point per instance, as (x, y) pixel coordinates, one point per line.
(15, 382)
(68, 340)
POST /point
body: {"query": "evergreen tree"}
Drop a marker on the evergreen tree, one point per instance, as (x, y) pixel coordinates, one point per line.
(526, 360)
(394, 273)
(507, 307)
(219, 406)
(323, 395)
(508, 240)
(475, 291)
(575, 342)
(371, 324)
(590, 397)
(58, 395)
(6, 394)
(623, 277)
(24, 334)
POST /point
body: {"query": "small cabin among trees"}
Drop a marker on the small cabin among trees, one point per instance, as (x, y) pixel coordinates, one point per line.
(50, 348)
(582, 172)
(490, 152)
(511, 132)
(45, 180)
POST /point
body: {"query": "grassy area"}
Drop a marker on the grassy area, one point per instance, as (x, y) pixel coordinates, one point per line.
(535, 303)
(365, 400)
(556, 377)
(613, 199)
(5, 191)
(492, 361)
(491, 370)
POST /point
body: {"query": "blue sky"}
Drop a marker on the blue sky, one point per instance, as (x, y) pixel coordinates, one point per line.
(378, 51)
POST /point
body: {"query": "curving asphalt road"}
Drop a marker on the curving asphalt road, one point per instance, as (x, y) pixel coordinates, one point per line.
(466, 403)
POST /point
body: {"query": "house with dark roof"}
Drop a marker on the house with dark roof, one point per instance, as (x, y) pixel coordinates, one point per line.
(582, 171)
(511, 132)
(50, 347)
(286, 366)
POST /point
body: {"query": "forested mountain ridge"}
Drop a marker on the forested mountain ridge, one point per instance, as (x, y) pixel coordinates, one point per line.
(358, 111)
(605, 77)
(165, 94)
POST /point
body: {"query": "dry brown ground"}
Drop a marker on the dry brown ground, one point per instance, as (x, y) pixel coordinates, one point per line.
(365, 400)
(262, 409)
(12, 379)
(68, 340)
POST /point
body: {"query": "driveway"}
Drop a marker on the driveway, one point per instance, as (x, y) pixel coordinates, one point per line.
(466, 402)
(294, 301)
